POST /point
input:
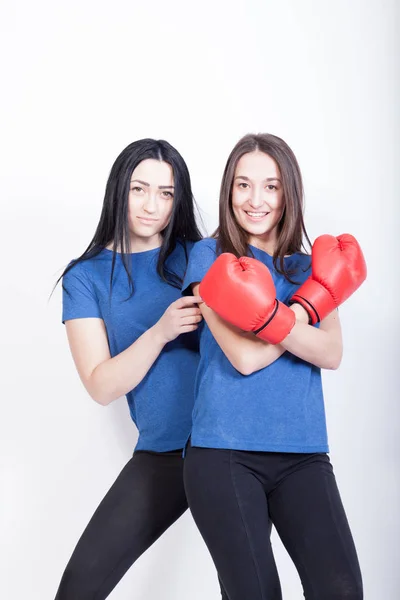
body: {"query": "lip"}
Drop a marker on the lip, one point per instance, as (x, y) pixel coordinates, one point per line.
(147, 221)
(254, 219)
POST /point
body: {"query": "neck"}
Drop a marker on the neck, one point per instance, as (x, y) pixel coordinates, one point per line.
(139, 244)
(266, 243)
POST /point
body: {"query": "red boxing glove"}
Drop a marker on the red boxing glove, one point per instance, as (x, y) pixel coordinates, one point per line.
(242, 292)
(338, 270)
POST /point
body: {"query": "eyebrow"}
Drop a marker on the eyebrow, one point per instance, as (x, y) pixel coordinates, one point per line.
(160, 187)
(267, 179)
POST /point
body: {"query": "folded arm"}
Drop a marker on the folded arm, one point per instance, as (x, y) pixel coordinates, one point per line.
(248, 353)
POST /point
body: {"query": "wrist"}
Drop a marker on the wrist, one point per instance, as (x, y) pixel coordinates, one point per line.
(157, 335)
(302, 315)
(279, 324)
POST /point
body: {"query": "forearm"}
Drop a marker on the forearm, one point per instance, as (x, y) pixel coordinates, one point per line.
(245, 351)
(316, 346)
(117, 376)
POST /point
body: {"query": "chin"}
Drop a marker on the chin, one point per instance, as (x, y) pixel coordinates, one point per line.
(144, 232)
(257, 230)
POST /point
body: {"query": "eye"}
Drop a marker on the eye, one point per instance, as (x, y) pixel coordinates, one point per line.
(136, 189)
(243, 185)
(271, 187)
(167, 194)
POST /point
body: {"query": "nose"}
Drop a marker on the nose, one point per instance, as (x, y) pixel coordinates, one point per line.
(255, 198)
(150, 203)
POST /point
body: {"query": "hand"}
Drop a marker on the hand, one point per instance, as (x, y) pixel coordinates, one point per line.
(181, 316)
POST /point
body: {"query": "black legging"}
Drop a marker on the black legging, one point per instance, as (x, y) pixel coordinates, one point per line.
(146, 498)
(233, 496)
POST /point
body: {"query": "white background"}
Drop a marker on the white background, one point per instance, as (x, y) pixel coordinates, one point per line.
(81, 80)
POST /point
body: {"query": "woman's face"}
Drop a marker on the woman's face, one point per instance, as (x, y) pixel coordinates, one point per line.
(257, 197)
(151, 196)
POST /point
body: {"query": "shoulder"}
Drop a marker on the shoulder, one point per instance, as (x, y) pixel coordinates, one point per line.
(79, 292)
(86, 272)
(77, 282)
(204, 252)
(76, 269)
(201, 258)
(206, 246)
(179, 257)
(88, 267)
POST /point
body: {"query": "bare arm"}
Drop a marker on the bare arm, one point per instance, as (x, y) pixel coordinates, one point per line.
(106, 378)
(248, 354)
(321, 347)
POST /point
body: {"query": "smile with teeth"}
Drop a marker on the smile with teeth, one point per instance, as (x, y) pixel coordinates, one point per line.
(256, 215)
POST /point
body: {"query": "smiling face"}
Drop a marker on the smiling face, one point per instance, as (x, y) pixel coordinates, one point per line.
(151, 197)
(257, 198)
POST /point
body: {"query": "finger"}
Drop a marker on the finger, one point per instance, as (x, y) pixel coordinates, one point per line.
(189, 312)
(191, 320)
(188, 301)
(189, 328)
(197, 299)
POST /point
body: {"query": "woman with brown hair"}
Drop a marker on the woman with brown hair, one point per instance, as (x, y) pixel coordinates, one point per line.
(258, 448)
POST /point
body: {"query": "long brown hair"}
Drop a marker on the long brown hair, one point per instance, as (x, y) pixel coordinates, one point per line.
(231, 237)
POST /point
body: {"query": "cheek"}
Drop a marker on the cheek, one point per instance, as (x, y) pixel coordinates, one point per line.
(236, 210)
(133, 205)
(167, 211)
(277, 202)
(278, 212)
(234, 199)
(131, 212)
(237, 200)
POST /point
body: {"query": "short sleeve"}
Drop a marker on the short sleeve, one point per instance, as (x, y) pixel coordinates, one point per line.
(201, 258)
(79, 297)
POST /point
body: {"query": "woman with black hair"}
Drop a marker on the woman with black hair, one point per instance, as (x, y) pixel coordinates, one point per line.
(132, 334)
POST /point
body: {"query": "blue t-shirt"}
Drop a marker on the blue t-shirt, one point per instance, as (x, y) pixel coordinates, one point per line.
(277, 409)
(161, 405)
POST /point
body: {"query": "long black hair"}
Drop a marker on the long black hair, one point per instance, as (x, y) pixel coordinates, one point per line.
(113, 226)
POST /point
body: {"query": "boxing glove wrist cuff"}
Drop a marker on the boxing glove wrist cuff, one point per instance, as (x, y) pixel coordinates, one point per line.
(313, 316)
(315, 299)
(278, 326)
